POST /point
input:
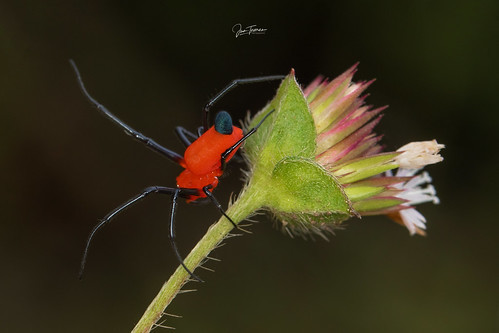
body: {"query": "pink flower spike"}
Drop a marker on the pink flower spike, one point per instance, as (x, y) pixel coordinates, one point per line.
(348, 148)
(312, 87)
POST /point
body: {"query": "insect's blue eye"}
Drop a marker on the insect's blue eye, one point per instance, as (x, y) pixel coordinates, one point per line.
(223, 123)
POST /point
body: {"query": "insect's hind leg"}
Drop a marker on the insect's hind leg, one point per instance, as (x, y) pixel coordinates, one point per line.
(127, 204)
(171, 235)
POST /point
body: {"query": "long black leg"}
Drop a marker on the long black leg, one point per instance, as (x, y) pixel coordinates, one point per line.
(216, 203)
(229, 87)
(200, 131)
(184, 135)
(132, 201)
(171, 236)
(150, 143)
(247, 135)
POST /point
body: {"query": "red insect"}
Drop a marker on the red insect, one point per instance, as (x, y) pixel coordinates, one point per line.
(204, 159)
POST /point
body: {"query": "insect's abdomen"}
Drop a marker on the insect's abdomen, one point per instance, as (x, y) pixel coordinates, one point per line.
(187, 179)
(203, 155)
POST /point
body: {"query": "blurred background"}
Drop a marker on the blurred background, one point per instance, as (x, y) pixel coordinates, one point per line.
(155, 64)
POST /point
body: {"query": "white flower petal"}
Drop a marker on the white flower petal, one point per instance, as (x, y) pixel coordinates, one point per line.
(416, 155)
(415, 192)
(413, 220)
(412, 189)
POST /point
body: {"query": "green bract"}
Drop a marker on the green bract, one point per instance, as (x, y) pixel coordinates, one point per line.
(283, 171)
(289, 131)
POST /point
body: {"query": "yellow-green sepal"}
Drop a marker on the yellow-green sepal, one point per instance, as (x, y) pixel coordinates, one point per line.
(305, 196)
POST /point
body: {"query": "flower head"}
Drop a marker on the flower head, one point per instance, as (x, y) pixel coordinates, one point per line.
(321, 157)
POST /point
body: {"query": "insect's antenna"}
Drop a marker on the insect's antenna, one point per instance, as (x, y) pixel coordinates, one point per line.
(246, 136)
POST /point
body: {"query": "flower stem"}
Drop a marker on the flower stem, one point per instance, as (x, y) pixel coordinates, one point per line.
(247, 203)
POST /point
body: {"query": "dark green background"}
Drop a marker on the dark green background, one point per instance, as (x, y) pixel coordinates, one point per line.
(154, 64)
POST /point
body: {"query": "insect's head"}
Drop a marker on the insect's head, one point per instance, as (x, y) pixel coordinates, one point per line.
(223, 123)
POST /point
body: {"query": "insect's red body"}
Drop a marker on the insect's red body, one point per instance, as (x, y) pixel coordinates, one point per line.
(202, 160)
